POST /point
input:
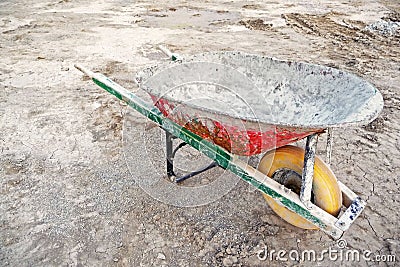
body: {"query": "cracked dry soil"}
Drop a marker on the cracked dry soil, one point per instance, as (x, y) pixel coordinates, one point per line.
(67, 195)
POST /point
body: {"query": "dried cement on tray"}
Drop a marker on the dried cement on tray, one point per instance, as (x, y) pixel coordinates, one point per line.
(262, 89)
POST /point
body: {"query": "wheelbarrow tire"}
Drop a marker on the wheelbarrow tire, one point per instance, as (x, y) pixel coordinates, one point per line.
(325, 189)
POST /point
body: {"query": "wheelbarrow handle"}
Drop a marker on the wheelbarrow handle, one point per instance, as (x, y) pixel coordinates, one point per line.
(147, 109)
(170, 54)
(86, 71)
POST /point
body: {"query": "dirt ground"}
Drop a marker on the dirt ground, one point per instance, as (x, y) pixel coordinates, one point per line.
(72, 155)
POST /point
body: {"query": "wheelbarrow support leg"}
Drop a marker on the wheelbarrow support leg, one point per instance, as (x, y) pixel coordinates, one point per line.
(170, 160)
(308, 171)
(329, 142)
(170, 157)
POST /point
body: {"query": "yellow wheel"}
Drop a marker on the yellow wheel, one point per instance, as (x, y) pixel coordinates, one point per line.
(285, 166)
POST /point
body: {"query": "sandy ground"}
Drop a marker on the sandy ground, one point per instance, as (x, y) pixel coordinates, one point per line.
(71, 154)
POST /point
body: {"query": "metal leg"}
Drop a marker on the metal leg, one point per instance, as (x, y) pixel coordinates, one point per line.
(329, 142)
(170, 156)
(308, 171)
(177, 148)
(189, 175)
(170, 160)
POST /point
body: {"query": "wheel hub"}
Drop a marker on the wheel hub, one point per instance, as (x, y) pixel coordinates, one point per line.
(290, 179)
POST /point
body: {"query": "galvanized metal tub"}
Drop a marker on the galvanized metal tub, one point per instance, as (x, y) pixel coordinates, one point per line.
(249, 104)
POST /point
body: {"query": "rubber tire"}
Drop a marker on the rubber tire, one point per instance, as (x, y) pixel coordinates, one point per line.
(327, 194)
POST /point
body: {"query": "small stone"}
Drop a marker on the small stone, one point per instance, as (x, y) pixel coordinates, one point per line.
(20, 157)
(202, 253)
(227, 262)
(201, 242)
(234, 259)
(204, 181)
(175, 245)
(266, 218)
(161, 256)
(115, 259)
(101, 249)
(228, 251)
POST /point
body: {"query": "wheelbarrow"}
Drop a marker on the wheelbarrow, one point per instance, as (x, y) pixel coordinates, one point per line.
(230, 105)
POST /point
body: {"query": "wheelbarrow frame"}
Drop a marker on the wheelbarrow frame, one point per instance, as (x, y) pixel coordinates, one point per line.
(301, 205)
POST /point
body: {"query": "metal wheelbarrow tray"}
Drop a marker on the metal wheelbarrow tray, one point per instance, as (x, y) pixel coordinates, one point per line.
(230, 104)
